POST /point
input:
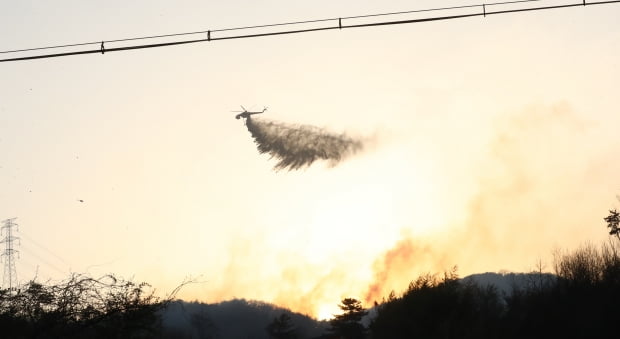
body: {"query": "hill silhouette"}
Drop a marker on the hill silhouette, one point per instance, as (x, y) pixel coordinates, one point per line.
(237, 318)
(580, 300)
(507, 283)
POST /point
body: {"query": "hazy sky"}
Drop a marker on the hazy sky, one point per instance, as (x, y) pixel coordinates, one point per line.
(494, 142)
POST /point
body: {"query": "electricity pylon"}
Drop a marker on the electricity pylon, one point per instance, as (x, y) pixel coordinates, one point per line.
(9, 279)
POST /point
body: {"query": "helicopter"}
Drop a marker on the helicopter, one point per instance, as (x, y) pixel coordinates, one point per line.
(246, 114)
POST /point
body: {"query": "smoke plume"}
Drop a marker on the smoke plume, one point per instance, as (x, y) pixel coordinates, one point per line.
(298, 146)
(538, 167)
(399, 265)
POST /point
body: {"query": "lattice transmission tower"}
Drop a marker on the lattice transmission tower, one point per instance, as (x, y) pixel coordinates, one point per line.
(9, 279)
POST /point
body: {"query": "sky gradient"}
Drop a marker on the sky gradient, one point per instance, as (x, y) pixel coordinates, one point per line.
(494, 143)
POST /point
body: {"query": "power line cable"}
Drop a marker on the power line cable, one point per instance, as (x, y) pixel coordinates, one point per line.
(29, 239)
(484, 13)
(29, 251)
(264, 26)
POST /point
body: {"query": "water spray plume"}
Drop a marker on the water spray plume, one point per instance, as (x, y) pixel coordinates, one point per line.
(298, 146)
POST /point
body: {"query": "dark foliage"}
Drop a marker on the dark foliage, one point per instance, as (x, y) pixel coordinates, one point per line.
(613, 221)
(439, 308)
(581, 302)
(80, 307)
(348, 324)
(282, 328)
(234, 319)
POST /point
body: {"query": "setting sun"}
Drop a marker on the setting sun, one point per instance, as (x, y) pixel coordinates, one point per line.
(327, 311)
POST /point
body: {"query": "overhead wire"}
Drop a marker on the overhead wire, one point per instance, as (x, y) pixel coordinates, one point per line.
(44, 258)
(263, 26)
(103, 49)
(43, 247)
(30, 252)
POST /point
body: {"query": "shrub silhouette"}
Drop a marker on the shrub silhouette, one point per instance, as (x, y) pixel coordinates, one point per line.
(81, 307)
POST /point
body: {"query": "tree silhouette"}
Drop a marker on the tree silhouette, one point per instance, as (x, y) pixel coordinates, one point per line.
(347, 325)
(282, 328)
(202, 325)
(613, 220)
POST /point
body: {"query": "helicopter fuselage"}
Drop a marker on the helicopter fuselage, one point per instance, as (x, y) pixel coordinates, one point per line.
(246, 115)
